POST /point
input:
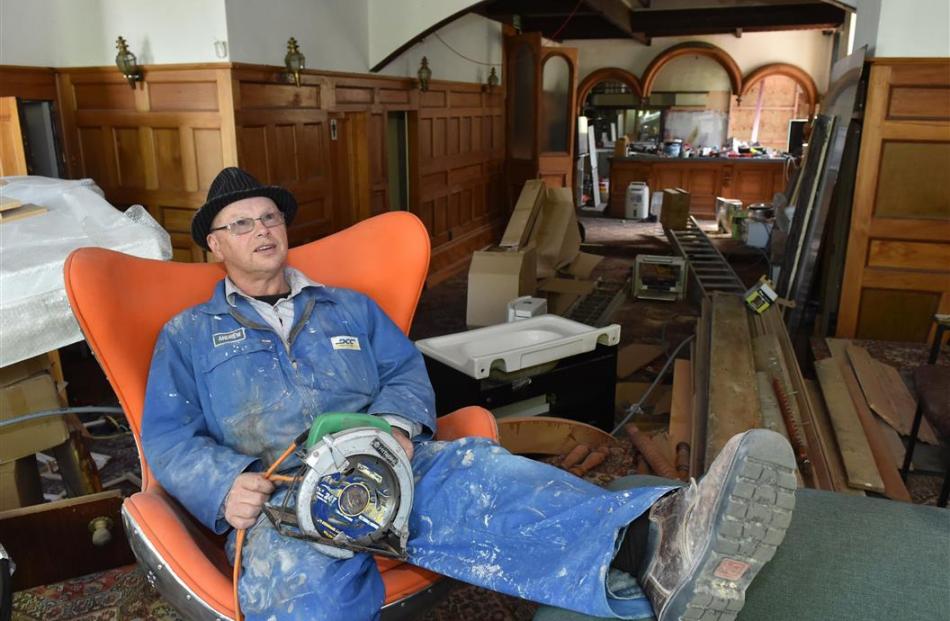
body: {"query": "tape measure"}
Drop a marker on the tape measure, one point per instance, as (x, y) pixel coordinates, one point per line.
(353, 491)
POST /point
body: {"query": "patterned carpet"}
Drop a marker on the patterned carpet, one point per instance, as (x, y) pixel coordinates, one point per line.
(123, 594)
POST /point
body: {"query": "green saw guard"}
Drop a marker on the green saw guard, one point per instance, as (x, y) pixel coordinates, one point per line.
(334, 422)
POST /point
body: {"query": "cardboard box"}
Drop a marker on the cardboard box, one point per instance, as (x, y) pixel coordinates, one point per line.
(496, 277)
(726, 208)
(556, 235)
(675, 211)
(21, 370)
(563, 292)
(522, 219)
(34, 394)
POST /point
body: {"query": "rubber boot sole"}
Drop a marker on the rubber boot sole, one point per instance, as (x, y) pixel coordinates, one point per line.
(753, 513)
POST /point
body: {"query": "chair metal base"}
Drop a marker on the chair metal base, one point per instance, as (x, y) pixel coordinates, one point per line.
(190, 606)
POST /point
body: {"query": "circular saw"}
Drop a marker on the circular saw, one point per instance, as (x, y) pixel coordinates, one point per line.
(353, 490)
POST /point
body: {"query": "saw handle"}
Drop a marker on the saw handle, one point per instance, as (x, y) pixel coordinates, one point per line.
(334, 422)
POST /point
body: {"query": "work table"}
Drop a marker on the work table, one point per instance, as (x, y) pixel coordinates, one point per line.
(748, 179)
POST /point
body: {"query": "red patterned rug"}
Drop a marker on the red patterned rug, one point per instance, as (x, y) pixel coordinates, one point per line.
(123, 594)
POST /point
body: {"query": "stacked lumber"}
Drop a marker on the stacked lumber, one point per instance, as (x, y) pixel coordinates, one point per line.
(869, 406)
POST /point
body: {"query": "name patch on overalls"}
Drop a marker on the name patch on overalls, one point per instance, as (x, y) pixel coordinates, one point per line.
(223, 338)
(345, 342)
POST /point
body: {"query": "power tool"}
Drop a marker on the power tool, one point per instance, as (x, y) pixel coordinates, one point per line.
(353, 490)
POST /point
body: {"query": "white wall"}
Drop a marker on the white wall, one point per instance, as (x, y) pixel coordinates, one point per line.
(332, 34)
(79, 33)
(393, 22)
(918, 28)
(808, 49)
(471, 35)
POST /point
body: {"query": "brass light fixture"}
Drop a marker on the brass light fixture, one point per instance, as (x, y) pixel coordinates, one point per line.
(492, 80)
(294, 60)
(125, 61)
(425, 74)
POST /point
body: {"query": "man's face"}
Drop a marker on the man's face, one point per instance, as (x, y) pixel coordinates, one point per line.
(258, 254)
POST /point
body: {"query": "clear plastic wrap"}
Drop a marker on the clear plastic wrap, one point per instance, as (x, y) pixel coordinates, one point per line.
(35, 316)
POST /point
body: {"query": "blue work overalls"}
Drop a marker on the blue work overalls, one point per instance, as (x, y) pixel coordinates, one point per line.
(225, 396)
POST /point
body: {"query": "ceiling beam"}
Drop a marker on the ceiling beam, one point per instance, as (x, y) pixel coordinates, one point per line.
(729, 20)
(619, 15)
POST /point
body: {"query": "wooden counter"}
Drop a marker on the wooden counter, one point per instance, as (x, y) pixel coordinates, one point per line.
(749, 180)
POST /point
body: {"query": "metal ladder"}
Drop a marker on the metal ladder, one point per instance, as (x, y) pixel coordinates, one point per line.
(708, 269)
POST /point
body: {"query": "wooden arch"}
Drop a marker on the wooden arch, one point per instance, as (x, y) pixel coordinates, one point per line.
(800, 76)
(693, 48)
(604, 75)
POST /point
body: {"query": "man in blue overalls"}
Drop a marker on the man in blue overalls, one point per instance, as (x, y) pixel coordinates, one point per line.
(234, 380)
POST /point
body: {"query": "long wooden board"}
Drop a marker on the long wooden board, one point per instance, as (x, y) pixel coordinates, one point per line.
(681, 406)
(733, 397)
(893, 484)
(826, 434)
(855, 452)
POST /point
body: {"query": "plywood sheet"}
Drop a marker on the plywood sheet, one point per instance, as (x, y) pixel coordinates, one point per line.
(852, 442)
(733, 397)
(634, 357)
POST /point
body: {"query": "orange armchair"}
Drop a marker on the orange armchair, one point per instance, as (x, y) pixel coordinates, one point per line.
(122, 302)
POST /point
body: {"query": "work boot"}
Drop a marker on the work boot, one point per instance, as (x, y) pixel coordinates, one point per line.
(709, 540)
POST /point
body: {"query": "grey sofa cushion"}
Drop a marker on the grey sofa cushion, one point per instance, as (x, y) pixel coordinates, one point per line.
(843, 558)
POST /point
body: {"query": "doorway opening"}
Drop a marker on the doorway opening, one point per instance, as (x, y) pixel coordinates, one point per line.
(397, 160)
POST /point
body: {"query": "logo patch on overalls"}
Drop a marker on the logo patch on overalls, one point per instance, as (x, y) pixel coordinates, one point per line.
(223, 338)
(345, 342)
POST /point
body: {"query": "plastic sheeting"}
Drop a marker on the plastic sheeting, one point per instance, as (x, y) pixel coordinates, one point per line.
(35, 316)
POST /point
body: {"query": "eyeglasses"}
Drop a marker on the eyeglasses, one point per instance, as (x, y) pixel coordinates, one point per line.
(243, 226)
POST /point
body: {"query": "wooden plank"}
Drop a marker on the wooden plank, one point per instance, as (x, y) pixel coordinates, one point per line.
(634, 357)
(19, 213)
(699, 354)
(905, 406)
(681, 410)
(826, 435)
(733, 400)
(893, 485)
(855, 452)
(877, 399)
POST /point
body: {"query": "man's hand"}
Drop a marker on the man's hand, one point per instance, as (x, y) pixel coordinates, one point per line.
(403, 441)
(248, 494)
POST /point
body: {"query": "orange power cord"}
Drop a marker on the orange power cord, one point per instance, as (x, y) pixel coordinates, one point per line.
(239, 542)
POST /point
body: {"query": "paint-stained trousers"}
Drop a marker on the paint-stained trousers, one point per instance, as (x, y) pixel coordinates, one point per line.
(480, 515)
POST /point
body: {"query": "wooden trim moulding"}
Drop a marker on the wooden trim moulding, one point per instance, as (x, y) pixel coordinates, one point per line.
(607, 73)
(698, 48)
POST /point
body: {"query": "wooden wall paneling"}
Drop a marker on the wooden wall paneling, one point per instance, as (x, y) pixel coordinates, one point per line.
(282, 138)
(158, 145)
(896, 274)
(36, 83)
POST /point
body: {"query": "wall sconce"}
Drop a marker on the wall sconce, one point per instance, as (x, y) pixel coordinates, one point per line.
(294, 60)
(492, 80)
(125, 61)
(425, 74)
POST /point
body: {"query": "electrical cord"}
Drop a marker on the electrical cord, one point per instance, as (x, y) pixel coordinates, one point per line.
(638, 406)
(59, 412)
(461, 55)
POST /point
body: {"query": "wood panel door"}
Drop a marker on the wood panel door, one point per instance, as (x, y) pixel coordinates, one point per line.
(897, 271)
(12, 153)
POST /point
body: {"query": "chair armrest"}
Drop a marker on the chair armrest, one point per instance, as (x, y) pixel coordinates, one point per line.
(197, 563)
(472, 421)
